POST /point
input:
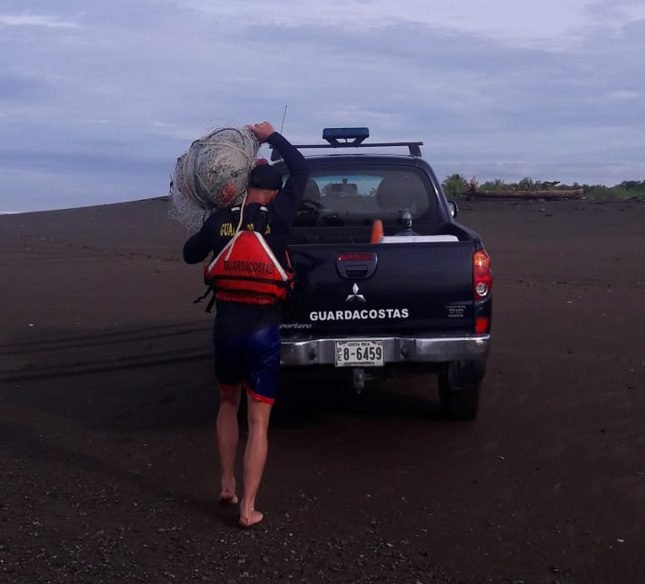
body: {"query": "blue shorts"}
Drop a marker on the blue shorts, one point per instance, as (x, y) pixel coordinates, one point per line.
(251, 358)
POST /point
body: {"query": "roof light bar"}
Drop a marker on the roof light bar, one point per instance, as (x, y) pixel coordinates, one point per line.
(357, 135)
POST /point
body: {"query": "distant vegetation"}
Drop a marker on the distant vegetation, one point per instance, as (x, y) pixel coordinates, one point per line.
(456, 186)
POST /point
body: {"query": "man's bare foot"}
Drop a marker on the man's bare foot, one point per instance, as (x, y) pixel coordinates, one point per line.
(252, 519)
(228, 499)
(227, 495)
(249, 516)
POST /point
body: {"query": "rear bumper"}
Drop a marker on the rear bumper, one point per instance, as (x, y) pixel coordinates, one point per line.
(297, 353)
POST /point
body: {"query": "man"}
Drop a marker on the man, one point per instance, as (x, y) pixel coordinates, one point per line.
(249, 281)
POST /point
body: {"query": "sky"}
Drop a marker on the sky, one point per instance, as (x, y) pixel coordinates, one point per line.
(97, 99)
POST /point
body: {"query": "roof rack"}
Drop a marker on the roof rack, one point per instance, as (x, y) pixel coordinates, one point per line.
(357, 136)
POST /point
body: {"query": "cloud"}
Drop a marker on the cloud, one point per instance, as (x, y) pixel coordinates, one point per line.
(16, 87)
(28, 20)
(551, 22)
(624, 94)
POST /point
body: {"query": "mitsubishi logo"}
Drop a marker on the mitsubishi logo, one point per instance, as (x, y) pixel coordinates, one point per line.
(355, 295)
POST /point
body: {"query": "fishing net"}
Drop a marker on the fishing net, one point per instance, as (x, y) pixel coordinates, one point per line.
(212, 174)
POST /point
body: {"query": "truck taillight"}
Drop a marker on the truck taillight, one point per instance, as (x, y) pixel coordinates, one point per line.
(482, 275)
(356, 257)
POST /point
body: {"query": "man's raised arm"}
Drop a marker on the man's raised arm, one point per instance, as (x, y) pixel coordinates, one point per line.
(286, 203)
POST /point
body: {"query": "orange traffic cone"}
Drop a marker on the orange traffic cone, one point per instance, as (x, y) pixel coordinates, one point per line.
(377, 231)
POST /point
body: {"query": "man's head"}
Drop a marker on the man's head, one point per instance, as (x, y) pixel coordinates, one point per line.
(264, 183)
(266, 177)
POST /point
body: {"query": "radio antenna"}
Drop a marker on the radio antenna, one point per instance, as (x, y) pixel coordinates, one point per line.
(284, 115)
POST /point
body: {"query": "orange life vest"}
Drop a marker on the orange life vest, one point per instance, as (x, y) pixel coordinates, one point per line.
(247, 271)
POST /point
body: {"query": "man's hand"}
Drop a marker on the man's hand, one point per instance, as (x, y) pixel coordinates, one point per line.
(261, 131)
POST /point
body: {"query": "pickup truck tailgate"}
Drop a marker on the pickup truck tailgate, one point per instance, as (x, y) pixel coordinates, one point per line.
(363, 289)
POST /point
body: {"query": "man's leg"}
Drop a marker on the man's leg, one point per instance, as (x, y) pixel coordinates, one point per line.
(255, 457)
(229, 372)
(227, 438)
(263, 349)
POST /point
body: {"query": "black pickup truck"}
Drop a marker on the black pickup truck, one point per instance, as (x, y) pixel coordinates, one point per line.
(386, 280)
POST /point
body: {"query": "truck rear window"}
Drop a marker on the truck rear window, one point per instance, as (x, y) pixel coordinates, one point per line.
(341, 197)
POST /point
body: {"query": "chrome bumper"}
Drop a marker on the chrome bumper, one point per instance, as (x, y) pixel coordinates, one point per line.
(296, 353)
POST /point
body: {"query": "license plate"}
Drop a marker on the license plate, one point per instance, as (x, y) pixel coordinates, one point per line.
(359, 354)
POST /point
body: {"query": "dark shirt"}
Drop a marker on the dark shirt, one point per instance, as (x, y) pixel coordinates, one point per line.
(220, 227)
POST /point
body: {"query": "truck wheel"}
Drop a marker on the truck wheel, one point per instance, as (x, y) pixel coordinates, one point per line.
(459, 384)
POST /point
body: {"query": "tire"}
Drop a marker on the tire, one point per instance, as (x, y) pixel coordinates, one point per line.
(459, 385)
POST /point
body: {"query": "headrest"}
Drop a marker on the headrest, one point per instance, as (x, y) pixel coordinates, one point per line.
(312, 192)
(404, 191)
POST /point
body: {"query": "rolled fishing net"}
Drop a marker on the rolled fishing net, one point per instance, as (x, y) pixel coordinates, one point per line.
(212, 174)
